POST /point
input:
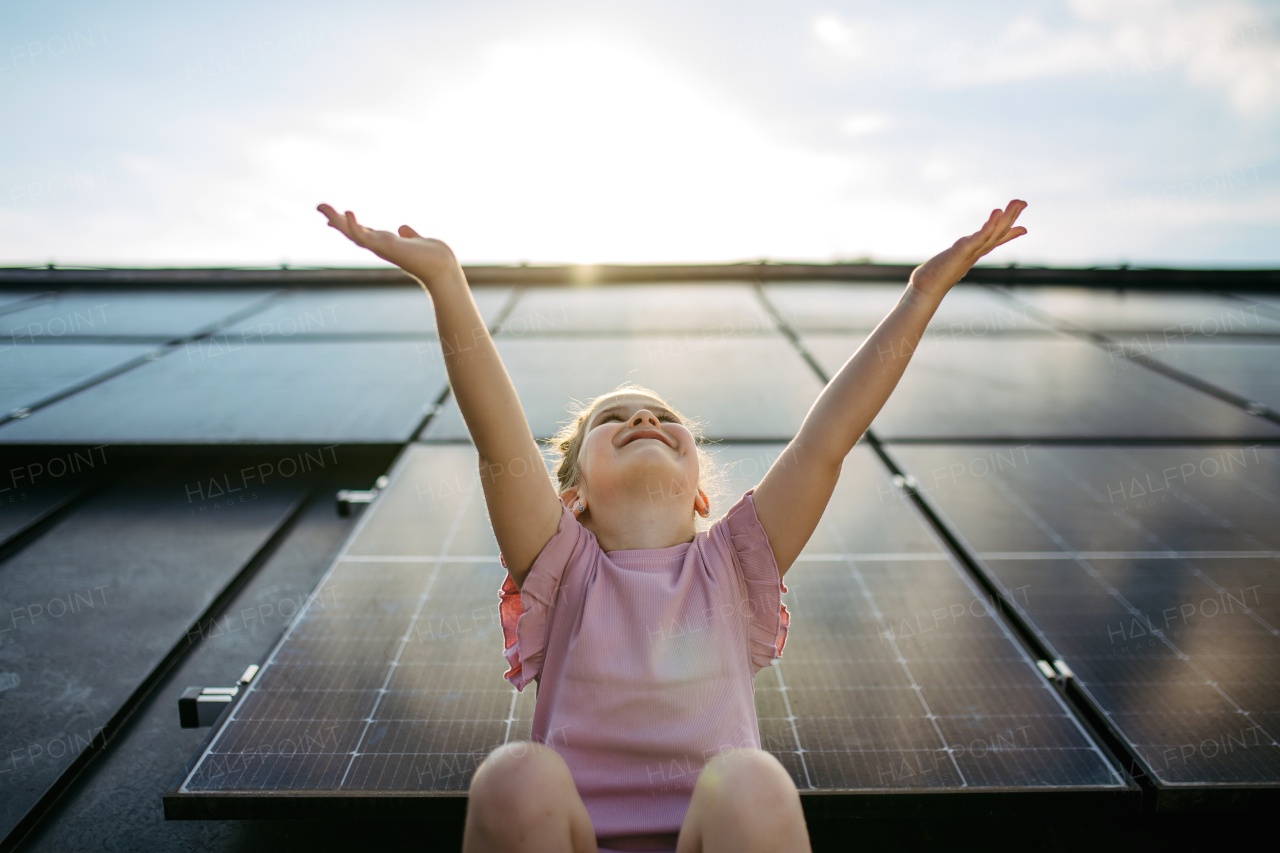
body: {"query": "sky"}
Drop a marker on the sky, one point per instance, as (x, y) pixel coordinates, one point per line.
(1144, 132)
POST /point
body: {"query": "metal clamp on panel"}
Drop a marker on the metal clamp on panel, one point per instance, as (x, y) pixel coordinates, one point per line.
(347, 497)
(201, 706)
(1058, 671)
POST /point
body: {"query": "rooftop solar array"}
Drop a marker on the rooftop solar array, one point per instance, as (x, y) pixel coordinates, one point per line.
(1096, 474)
(392, 679)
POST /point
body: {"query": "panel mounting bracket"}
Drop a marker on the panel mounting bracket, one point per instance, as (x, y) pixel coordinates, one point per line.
(201, 706)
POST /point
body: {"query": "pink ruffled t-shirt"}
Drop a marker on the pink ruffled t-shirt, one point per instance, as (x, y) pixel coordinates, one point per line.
(644, 661)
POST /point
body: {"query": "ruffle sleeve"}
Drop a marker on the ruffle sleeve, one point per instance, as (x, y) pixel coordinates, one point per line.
(768, 618)
(525, 612)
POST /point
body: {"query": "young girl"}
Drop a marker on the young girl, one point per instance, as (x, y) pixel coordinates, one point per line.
(646, 736)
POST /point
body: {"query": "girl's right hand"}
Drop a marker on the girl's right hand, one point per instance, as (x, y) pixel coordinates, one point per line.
(419, 256)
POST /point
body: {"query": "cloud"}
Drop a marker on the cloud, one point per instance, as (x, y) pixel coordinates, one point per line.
(864, 124)
(1229, 47)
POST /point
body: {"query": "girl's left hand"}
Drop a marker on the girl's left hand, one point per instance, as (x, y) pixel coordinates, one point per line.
(937, 275)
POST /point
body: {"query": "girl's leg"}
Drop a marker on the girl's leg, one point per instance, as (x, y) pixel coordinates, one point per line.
(744, 802)
(523, 800)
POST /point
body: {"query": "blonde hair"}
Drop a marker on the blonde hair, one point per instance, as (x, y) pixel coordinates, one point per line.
(567, 442)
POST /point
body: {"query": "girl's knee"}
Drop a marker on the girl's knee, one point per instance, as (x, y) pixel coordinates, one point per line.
(749, 780)
(519, 775)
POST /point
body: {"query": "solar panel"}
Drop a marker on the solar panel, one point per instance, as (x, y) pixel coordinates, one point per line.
(1145, 311)
(967, 310)
(1038, 387)
(291, 393)
(1250, 369)
(364, 311)
(391, 680)
(722, 309)
(149, 314)
(739, 386)
(93, 606)
(30, 372)
(1153, 572)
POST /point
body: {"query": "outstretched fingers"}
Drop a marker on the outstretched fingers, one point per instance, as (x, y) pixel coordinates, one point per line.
(1014, 233)
(999, 228)
(338, 221)
(348, 225)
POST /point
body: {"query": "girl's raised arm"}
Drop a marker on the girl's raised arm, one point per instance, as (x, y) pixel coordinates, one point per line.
(523, 506)
(793, 494)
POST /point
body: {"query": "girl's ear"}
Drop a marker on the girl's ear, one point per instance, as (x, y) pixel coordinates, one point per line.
(701, 504)
(572, 498)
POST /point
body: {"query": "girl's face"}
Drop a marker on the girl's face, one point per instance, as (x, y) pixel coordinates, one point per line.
(633, 442)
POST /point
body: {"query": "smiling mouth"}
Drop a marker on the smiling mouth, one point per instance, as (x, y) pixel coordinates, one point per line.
(647, 433)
